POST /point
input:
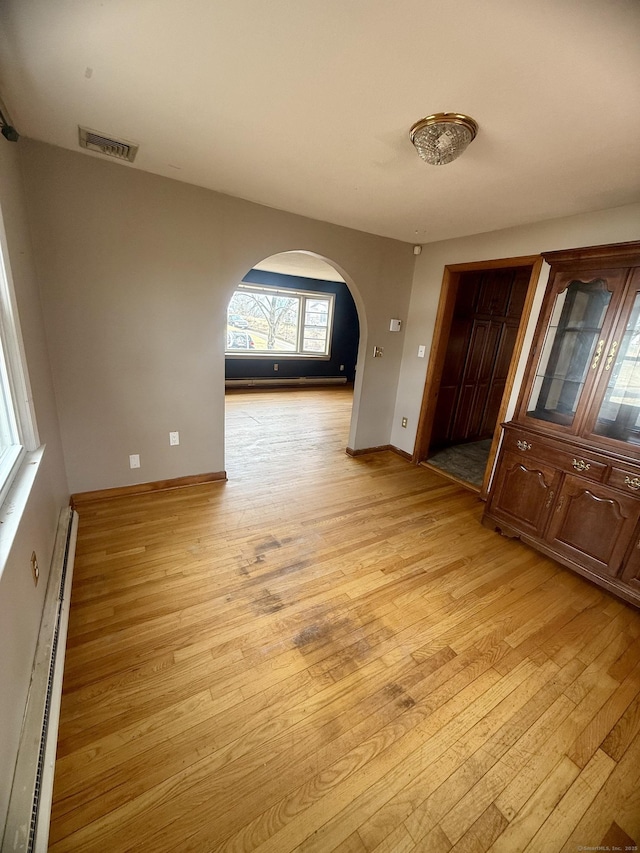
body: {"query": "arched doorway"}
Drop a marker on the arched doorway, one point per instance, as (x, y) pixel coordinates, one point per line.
(291, 348)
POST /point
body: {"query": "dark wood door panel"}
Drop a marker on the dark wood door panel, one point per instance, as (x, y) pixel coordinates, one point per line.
(443, 416)
(505, 351)
(457, 348)
(492, 408)
(459, 429)
(495, 292)
(490, 352)
(518, 294)
(481, 340)
(477, 345)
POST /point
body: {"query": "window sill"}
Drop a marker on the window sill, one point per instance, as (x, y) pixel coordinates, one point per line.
(278, 356)
(13, 507)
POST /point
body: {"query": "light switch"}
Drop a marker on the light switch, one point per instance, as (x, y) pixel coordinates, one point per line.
(421, 350)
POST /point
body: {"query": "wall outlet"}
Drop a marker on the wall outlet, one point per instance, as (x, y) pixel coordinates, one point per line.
(276, 367)
(377, 352)
(174, 438)
(134, 460)
(342, 367)
(35, 571)
(404, 422)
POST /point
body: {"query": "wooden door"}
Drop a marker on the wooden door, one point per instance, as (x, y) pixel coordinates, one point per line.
(482, 337)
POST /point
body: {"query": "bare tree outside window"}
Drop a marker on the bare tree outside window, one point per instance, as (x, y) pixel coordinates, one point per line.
(261, 321)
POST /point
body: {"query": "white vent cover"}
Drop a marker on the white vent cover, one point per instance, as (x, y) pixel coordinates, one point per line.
(118, 148)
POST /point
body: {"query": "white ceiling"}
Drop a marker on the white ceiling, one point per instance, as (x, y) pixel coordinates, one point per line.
(300, 264)
(305, 105)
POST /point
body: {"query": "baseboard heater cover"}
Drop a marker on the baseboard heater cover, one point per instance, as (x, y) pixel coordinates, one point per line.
(28, 816)
(300, 380)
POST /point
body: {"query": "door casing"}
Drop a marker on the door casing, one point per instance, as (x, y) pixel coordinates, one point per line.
(444, 317)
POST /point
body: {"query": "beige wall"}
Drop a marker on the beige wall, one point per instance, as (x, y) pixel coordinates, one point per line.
(136, 272)
(607, 226)
(20, 601)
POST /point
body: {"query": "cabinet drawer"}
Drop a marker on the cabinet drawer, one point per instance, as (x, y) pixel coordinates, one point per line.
(527, 445)
(626, 480)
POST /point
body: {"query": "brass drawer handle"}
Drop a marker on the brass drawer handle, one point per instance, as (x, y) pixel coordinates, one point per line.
(581, 465)
(523, 445)
(612, 355)
(560, 502)
(632, 483)
(549, 500)
(598, 354)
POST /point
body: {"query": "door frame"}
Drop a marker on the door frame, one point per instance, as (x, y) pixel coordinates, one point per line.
(440, 342)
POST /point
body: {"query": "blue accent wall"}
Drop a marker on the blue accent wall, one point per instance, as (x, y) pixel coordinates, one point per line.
(344, 346)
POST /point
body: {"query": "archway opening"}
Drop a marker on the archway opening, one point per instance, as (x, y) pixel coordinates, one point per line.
(291, 347)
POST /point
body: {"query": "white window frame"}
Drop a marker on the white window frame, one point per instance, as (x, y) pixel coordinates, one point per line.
(17, 416)
(303, 296)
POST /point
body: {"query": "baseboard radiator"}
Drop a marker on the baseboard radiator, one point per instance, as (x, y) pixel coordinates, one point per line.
(27, 827)
(286, 381)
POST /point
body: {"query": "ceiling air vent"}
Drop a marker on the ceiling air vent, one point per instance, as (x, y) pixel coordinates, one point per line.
(118, 148)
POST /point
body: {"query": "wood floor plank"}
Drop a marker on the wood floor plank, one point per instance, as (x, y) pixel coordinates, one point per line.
(606, 719)
(564, 818)
(544, 800)
(618, 801)
(415, 803)
(387, 768)
(328, 653)
(481, 835)
(622, 734)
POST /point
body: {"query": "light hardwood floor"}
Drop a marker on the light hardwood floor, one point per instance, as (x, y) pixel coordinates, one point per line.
(331, 654)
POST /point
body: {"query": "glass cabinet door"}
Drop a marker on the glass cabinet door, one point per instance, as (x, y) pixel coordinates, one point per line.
(573, 345)
(619, 413)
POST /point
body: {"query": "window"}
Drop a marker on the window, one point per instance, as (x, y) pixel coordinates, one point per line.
(17, 422)
(267, 321)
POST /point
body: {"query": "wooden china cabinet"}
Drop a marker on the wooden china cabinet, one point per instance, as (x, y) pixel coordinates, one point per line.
(567, 479)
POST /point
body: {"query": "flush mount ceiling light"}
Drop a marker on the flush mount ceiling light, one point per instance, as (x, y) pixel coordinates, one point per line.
(442, 137)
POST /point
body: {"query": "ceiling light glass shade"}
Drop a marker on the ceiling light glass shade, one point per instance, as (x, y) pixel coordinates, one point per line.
(442, 137)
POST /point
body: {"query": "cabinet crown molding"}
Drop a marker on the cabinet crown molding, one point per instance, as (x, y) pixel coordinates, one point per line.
(615, 254)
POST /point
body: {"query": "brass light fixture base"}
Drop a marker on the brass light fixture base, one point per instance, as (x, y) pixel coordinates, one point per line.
(445, 118)
(442, 137)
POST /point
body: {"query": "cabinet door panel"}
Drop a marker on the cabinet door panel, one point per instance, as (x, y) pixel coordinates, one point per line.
(523, 493)
(593, 525)
(631, 573)
(580, 312)
(616, 416)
